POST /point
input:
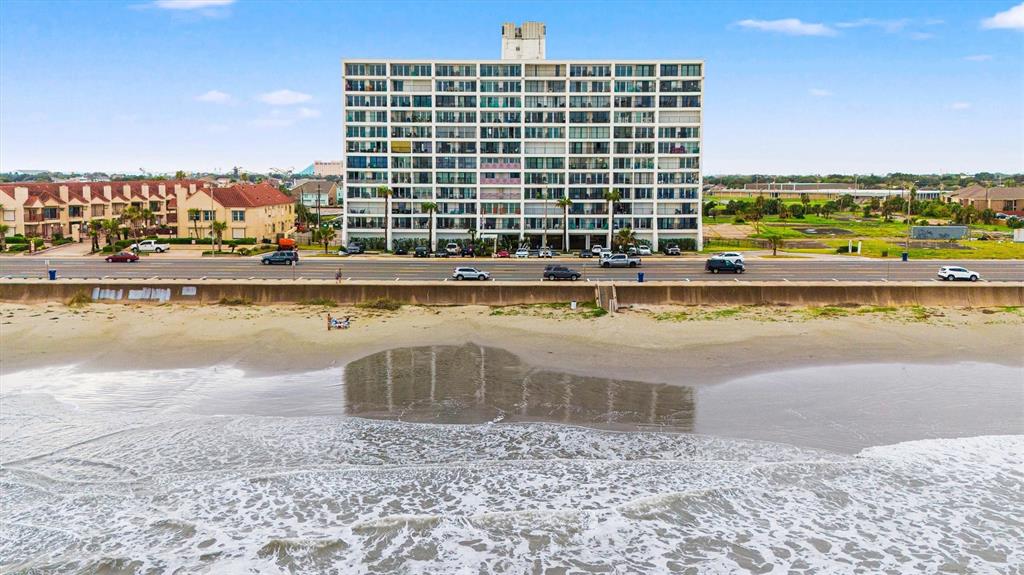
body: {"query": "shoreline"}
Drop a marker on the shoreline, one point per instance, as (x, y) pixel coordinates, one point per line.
(656, 344)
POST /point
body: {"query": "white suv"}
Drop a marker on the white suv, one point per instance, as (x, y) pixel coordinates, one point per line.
(470, 274)
(731, 256)
(522, 253)
(950, 273)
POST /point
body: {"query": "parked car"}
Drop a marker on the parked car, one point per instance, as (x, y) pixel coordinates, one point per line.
(401, 251)
(421, 252)
(545, 253)
(123, 257)
(604, 254)
(453, 249)
(644, 251)
(586, 254)
(280, 257)
(672, 250)
(596, 249)
(716, 265)
(150, 246)
(732, 256)
(441, 254)
(502, 254)
(354, 248)
(620, 261)
(470, 274)
(950, 273)
(560, 273)
(522, 253)
(468, 252)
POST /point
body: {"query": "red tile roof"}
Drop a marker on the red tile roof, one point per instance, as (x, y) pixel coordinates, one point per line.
(249, 196)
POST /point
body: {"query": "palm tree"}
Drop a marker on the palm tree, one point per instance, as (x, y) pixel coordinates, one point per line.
(180, 175)
(148, 217)
(386, 193)
(429, 208)
(95, 229)
(325, 236)
(193, 214)
(611, 196)
(4, 228)
(564, 203)
(110, 229)
(131, 216)
(625, 237)
(219, 228)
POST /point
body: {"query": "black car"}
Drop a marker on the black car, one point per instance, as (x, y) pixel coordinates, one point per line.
(560, 273)
(586, 254)
(401, 251)
(421, 252)
(716, 265)
(467, 252)
(284, 257)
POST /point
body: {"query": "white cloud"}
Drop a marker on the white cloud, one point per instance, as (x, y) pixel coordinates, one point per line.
(820, 93)
(978, 58)
(921, 36)
(891, 26)
(1012, 19)
(788, 26)
(191, 4)
(283, 118)
(215, 96)
(960, 106)
(284, 98)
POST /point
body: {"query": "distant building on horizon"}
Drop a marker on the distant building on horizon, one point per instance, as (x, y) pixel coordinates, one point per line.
(330, 168)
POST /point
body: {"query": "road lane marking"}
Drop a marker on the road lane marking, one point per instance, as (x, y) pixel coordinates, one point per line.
(785, 279)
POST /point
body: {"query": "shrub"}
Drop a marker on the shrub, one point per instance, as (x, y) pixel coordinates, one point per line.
(235, 301)
(381, 303)
(325, 302)
(79, 299)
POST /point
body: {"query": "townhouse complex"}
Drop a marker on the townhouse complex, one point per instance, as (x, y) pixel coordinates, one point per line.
(185, 208)
(495, 144)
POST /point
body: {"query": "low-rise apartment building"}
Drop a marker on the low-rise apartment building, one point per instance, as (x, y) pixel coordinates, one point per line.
(48, 210)
(1000, 199)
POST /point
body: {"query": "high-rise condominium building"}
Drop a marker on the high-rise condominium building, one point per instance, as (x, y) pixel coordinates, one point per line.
(496, 145)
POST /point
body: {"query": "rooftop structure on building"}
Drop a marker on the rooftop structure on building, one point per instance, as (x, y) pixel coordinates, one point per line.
(496, 143)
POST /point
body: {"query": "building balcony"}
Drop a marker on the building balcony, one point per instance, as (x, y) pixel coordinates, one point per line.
(485, 165)
(33, 217)
(510, 181)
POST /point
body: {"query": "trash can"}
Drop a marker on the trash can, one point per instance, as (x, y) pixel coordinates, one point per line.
(906, 256)
(52, 274)
(640, 277)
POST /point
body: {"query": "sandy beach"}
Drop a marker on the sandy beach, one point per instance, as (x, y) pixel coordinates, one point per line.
(657, 345)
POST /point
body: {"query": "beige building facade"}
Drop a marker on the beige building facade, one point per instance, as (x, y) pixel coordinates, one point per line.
(53, 210)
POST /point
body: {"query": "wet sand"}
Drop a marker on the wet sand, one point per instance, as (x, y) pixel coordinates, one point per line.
(710, 346)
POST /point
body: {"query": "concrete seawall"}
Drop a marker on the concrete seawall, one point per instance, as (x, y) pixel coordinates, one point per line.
(515, 293)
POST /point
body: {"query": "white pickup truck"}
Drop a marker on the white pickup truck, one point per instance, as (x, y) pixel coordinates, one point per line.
(150, 246)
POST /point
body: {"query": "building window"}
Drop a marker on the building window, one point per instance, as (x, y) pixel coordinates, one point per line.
(207, 215)
(238, 215)
(9, 215)
(237, 233)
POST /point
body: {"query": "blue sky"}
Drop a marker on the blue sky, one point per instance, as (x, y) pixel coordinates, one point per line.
(791, 87)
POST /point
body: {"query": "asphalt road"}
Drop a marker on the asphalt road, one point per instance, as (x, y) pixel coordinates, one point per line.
(408, 268)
